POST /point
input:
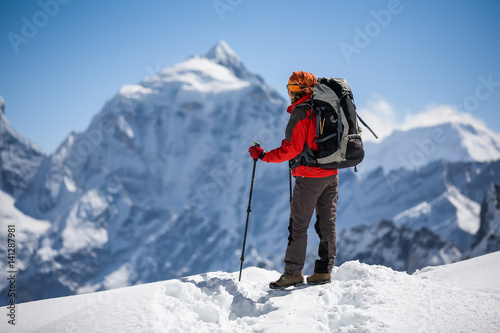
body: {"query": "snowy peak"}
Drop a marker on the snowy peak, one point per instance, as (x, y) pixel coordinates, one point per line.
(219, 70)
(19, 159)
(480, 143)
(223, 54)
(2, 105)
(198, 75)
(191, 82)
(9, 133)
(463, 140)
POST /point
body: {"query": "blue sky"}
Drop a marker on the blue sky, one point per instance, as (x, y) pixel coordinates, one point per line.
(60, 60)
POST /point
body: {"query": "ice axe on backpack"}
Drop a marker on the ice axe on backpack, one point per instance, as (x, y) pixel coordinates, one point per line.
(242, 258)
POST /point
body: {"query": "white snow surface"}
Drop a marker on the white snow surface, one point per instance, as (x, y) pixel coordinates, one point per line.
(460, 297)
(467, 212)
(9, 214)
(200, 75)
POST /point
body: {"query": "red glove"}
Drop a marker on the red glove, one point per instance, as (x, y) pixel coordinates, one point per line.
(256, 152)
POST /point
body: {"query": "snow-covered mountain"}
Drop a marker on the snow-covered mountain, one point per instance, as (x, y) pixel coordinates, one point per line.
(461, 297)
(442, 196)
(157, 185)
(157, 188)
(400, 248)
(19, 163)
(461, 139)
(487, 238)
(19, 158)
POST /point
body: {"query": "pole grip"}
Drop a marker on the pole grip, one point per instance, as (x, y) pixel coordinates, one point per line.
(256, 144)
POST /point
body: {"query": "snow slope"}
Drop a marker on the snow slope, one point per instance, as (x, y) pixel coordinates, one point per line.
(461, 297)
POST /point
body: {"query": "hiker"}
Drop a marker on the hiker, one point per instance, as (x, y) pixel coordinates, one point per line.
(315, 188)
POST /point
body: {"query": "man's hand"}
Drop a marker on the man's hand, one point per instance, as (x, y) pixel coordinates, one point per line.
(256, 152)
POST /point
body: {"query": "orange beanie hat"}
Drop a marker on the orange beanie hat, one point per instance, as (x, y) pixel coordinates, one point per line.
(302, 82)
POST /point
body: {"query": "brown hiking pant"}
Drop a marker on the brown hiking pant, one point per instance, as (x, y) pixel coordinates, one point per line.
(309, 194)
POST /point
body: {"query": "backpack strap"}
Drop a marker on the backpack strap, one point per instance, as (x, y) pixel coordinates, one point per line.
(318, 119)
(345, 94)
(307, 155)
(364, 124)
(326, 138)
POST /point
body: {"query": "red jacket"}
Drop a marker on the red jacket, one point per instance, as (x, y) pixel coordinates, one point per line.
(299, 131)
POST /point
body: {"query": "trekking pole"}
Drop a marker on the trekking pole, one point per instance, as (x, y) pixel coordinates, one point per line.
(242, 258)
(290, 182)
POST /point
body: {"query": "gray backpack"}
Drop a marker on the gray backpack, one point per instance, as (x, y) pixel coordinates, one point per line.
(337, 131)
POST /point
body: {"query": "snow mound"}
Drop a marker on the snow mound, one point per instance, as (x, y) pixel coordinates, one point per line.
(463, 296)
(468, 274)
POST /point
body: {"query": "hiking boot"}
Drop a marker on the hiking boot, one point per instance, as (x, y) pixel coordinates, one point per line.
(287, 280)
(319, 278)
